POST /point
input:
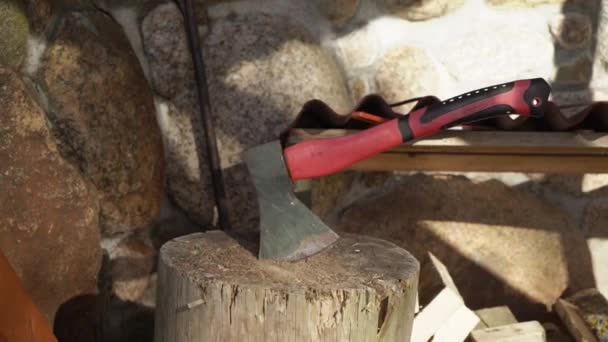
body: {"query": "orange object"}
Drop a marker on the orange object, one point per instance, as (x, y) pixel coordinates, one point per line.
(368, 118)
(20, 320)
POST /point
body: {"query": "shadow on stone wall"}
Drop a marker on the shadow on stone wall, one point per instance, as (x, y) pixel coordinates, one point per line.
(571, 10)
(503, 246)
(82, 319)
(104, 317)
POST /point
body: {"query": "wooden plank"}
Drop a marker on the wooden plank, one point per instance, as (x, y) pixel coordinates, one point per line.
(433, 316)
(495, 317)
(457, 327)
(485, 151)
(443, 273)
(270, 302)
(486, 142)
(483, 162)
(519, 332)
(573, 321)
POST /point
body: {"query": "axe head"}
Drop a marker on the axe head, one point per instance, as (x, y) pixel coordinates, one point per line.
(288, 229)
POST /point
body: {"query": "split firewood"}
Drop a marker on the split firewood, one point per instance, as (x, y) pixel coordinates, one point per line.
(494, 317)
(433, 316)
(444, 314)
(518, 332)
(458, 326)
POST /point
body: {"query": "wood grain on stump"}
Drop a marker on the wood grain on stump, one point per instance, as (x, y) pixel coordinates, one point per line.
(212, 288)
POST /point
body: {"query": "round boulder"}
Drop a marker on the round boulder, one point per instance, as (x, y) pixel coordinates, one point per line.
(524, 3)
(166, 46)
(476, 58)
(131, 267)
(405, 73)
(49, 214)
(102, 111)
(39, 14)
(257, 85)
(14, 31)
(502, 246)
(571, 30)
(421, 9)
(338, 12)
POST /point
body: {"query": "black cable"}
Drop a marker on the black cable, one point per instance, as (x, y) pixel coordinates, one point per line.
(219, 191)
(405, 101)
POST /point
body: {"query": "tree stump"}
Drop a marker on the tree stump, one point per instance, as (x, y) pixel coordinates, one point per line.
(213, 288)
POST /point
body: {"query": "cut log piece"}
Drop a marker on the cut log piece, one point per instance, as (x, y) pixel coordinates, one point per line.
(213, 288)
(573, 321)
(495, 317)
(593, 308)
(518, 332)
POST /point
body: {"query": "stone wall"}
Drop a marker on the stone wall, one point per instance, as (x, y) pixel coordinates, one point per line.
(99, 137)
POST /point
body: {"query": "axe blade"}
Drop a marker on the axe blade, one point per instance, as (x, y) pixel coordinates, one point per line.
(289, 231)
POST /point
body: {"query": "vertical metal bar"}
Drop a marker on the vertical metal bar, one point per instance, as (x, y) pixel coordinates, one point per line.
(205, 109)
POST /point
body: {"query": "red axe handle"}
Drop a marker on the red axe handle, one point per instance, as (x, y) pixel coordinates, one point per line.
(321, 157)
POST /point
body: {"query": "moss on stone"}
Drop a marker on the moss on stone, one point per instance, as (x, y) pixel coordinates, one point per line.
(14, 31)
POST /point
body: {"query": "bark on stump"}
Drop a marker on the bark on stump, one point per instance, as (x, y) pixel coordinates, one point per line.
(213, 288)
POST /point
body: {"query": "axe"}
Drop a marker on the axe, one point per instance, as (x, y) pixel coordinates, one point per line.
(290, 231)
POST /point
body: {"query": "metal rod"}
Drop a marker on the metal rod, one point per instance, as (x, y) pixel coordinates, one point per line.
(219, 191)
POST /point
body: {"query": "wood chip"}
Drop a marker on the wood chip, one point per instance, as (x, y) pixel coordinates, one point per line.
(495, 317)
(518, 332)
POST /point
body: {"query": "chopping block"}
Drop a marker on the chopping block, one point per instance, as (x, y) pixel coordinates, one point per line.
(212, 287)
